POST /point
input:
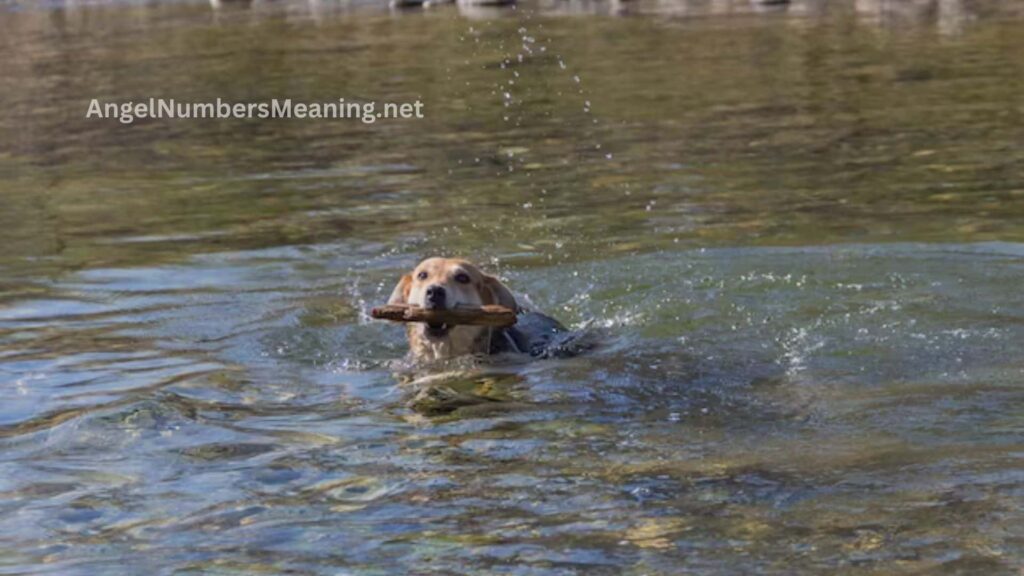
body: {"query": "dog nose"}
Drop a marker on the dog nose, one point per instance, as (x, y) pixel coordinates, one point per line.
(436, 297)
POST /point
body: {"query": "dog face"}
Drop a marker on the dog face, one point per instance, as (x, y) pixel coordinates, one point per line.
(443, 283)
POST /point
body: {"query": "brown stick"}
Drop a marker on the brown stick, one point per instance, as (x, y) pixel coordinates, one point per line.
(488, 315)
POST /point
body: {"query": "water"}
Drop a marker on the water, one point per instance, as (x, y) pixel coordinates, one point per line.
(797, 232)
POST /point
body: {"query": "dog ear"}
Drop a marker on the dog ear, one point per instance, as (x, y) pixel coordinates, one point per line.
(494, 292)
(400, 295)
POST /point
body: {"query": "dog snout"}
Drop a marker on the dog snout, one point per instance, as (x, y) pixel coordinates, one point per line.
(436, 297)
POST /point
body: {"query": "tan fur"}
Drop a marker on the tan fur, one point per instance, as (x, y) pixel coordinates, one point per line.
(481, 289)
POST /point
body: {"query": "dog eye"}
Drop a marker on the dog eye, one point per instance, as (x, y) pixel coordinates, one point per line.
(422, 275)
(462, 278)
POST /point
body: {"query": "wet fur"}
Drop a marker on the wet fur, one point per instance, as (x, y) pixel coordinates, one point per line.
(531, 334)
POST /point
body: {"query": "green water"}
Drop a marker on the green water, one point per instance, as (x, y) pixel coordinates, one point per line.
(796, 232)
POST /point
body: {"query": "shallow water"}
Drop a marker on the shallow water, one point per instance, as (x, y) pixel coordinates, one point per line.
(796, 232)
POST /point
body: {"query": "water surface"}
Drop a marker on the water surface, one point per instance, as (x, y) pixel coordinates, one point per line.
(798, 232)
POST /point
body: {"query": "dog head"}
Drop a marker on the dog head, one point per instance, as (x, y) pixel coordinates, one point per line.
(443, 283)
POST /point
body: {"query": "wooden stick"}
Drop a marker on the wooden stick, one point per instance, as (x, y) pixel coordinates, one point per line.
(488, 315)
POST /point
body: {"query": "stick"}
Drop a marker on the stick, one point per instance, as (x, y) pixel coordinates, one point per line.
(488, 315)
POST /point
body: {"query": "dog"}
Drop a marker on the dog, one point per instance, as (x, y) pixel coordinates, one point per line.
(444, 283)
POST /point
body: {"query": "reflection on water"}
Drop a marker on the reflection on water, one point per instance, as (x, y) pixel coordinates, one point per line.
(796, 228)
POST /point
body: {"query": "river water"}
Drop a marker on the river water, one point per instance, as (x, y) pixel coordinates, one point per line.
(795, 234)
